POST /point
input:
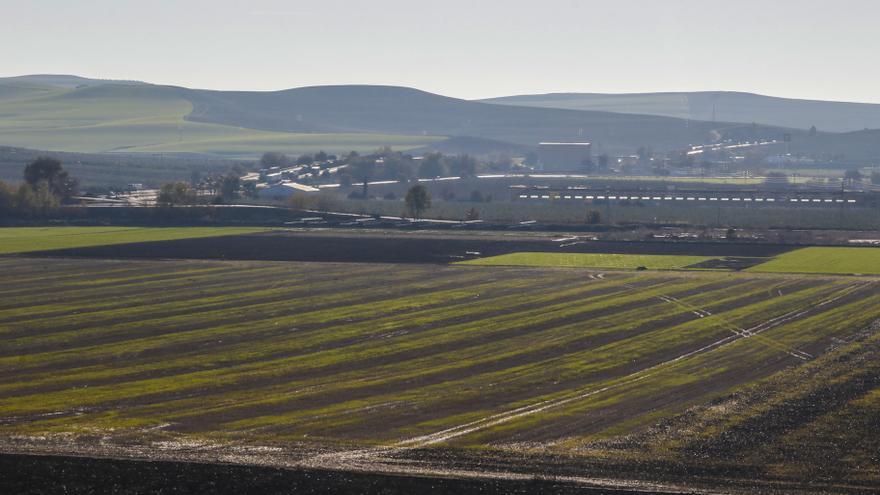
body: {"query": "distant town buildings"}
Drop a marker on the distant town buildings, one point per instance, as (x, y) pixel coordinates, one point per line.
(564, 157)
(284, 189)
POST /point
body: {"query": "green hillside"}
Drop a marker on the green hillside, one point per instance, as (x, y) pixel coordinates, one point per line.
(84, 115)
(726, 106)
(75, 114)
(124, 117)
(393, 110)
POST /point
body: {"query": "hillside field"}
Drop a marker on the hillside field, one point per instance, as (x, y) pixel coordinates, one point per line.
(726, 106)
(153, 119)
(413, 368)
(113, 116)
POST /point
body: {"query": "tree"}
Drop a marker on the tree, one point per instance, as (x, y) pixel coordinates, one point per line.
(49, 170)
(432, 166)
(463, 166)
(363, 170)
(321, 156)
(853, 176)
(397, 166)
(471, 215)
(686, 161)
(477, 196)
(345, 179)
(418, 200)
(35, 201)
(644, 155)
(25, 200)
(175, 193)
(813, 131)
(594, 217)
(604, 160)
(229, 187)
(249, 190)
(274, 159)
(7, 199)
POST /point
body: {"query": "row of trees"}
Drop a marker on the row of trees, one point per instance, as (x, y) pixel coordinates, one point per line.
(390, 165)
(277, 159)
(214, 189)
(46, 186)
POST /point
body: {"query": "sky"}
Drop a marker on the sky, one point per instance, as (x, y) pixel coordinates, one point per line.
(816, 49)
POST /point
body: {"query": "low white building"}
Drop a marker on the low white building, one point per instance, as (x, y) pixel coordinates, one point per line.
(284, 189)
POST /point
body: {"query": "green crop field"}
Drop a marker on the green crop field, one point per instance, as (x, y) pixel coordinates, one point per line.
(151, 119)
(370, 366)
(28, 239)
(590, 260)
(832, 260)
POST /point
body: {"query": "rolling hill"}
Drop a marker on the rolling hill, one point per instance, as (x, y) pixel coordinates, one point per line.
(64, 113)
(727, 106)
(397, 110)
(69, 113)
(75, 114)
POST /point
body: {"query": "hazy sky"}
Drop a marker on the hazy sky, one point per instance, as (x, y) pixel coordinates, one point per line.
(466, 48)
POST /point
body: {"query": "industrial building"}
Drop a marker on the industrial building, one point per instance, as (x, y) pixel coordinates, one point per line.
(564, 157)
(791, 197)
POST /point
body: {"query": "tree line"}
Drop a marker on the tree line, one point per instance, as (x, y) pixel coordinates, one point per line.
(46, 186)
(215, 189)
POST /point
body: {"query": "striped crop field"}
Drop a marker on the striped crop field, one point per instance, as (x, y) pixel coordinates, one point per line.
(29, 239)
(591, 260)
(350, 365)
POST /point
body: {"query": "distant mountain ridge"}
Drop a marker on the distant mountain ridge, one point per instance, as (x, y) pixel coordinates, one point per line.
(722, 106)
(390, 109)
(70, 113)
(63, 80)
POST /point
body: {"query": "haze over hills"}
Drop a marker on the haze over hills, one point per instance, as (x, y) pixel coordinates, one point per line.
(724, 106)
(102, 116)
(69, 113)
(76, 114)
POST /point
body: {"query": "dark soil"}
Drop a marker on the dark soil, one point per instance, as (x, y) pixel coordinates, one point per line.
(729, 263)
(29, 474)
(397, 248)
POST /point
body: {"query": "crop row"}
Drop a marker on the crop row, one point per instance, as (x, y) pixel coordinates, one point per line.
(281, 352)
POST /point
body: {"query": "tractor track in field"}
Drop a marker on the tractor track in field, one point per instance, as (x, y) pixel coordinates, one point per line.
(359, 458)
